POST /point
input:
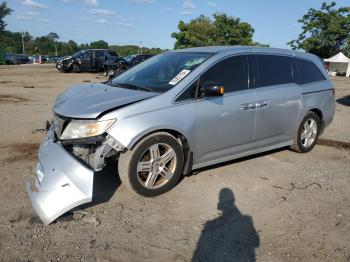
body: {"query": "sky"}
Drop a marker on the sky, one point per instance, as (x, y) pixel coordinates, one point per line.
(151, 22)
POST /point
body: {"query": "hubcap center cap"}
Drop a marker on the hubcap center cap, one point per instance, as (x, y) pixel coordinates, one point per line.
(157, 166)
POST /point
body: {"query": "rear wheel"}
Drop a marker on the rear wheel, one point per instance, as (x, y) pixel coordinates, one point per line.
(308, 133)
(153, 166)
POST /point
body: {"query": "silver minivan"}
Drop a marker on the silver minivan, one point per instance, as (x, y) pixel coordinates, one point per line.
(177, 112)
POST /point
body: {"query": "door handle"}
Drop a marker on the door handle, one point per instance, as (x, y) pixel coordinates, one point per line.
(248, 106)
(262, 104)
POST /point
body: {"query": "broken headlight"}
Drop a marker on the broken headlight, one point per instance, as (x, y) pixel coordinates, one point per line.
(86, 128)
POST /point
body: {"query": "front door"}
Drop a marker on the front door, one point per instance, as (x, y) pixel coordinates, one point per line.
(99, 60)
(86, 61)
(224, 125)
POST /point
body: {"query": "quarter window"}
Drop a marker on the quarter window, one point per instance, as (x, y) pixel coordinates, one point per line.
(272, 70)
(232, 73)
(189, 93)
(308, 72)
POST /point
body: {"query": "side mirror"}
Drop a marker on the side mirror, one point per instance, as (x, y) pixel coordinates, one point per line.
(212, 90)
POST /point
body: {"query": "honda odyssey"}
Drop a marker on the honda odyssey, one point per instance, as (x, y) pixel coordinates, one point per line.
(177, 112)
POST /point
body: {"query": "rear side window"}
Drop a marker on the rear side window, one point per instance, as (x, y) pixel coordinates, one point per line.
(308, 72)
(99, 54)
(232, 73)
(112, 53)
(272, 70)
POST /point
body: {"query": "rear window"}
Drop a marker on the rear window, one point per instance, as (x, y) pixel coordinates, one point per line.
(308, 72)
(273, 70)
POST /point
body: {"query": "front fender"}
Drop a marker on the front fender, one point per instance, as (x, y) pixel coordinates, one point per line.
(129, 130)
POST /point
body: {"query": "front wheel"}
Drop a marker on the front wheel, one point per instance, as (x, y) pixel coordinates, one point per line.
(76, 68)
(308, 133)
(153, 166)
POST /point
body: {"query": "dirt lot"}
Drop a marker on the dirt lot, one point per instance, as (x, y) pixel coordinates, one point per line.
(277, 206)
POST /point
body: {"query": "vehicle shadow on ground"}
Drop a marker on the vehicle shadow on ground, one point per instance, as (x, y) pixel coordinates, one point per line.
(230, 237)
(106, 183)
(345, 101)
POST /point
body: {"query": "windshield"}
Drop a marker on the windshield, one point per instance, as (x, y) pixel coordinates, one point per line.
(77, 54)
(160, 73)
(129, 57)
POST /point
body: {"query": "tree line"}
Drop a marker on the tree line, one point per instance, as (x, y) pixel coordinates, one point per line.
(325, 32)
(50, 45)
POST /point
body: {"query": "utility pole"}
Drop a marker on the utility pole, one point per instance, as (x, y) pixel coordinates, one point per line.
(22, 42)
(55, 50)
(141, 47)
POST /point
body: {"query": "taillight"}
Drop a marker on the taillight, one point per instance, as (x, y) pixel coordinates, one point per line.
(333, 91)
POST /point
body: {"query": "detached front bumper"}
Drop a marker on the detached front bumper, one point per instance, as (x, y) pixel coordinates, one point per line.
(62, 182)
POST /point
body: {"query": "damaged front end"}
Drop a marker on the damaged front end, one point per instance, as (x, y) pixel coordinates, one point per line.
(65, 170)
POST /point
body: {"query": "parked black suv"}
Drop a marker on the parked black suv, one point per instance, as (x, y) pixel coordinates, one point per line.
(16, 59)
(86, 60)
(120, 65)
(136, 59)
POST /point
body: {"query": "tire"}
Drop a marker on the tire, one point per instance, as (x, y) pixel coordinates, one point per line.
(76, 68)
(306, 139)
(159, 176)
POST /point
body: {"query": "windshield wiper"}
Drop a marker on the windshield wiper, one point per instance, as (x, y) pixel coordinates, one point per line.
(133, 87)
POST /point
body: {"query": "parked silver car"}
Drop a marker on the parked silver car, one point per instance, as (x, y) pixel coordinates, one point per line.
(177, 112)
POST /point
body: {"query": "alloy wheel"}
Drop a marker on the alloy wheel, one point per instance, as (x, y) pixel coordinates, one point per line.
(156, 166)
(309, 133)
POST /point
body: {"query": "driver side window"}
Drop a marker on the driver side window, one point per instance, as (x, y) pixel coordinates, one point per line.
(86, 55)
(231, 72)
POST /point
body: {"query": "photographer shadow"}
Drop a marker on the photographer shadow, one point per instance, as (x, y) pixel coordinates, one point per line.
(231, 237)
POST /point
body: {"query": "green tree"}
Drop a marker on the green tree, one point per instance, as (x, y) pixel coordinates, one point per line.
(198, 32)
(84, 46)
(222, 30)
(46, 44)
(325, 31)
(231, 31)
(346, 49)
(72, 47)
(134, 49)
(4, 11)
(99, 44)
(12, 41)
(52, 37)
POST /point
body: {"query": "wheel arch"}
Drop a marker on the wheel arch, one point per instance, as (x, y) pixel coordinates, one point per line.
(186, 147)
(319, 113)
(175, 133)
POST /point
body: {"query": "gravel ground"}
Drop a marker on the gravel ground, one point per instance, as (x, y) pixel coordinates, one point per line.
(276, 206)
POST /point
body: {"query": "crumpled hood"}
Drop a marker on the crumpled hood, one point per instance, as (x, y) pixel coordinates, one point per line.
(90, 100)
(66, 58)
